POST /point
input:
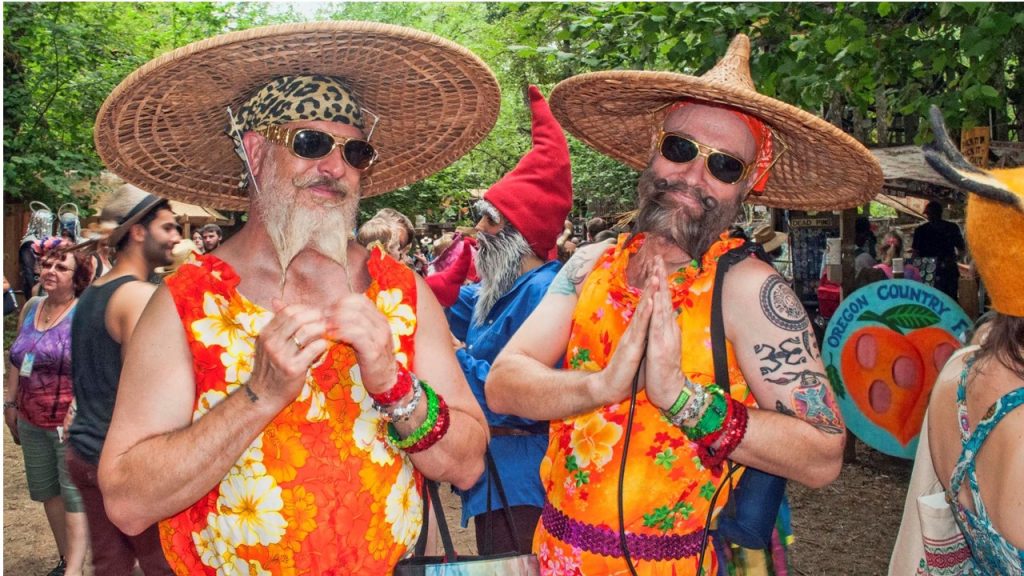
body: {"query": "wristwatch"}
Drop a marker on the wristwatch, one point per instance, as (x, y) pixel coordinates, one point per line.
(10, 404)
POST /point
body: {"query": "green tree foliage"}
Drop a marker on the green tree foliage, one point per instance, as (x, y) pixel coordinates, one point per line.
(871, 68)
(865, 66)
(61, 60)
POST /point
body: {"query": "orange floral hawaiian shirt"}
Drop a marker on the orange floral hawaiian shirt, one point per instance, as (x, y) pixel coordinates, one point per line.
(667, 492)
(320, 491)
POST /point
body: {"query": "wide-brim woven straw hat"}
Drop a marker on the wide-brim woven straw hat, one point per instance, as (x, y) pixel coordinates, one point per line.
(164, 127)
(619, 112)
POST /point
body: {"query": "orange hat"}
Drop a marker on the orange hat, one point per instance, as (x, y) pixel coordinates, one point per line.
(995, 218)
(446, 284)
(536, 195)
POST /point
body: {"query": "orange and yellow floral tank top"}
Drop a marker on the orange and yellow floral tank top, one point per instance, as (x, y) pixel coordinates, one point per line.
(320, 491)
(667, 492)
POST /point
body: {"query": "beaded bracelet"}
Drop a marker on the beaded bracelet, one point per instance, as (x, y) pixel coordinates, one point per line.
(712, 418)
(403, 383)
(697, 397)
(712, 438)
(700, 396)
(424, 428)
(437, 432)
(394, 413)
(732, 434)
(692, 408)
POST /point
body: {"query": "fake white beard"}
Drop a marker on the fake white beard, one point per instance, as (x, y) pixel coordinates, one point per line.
(294, 226)
(498, 263)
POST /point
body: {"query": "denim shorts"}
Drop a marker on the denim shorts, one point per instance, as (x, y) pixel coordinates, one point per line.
(45, 466)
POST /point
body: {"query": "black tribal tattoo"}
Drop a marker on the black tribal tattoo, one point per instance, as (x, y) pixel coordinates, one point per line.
(781, 306)
(789, 353)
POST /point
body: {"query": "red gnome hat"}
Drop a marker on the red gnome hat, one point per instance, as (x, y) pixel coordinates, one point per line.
(446, 284)
(537, 194)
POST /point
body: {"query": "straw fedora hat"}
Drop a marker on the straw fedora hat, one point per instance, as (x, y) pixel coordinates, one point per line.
(164, 127)
(618, 113)
(125, 207)
(769, 238)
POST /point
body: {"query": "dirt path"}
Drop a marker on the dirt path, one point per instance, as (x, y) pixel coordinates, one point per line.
(846, 528)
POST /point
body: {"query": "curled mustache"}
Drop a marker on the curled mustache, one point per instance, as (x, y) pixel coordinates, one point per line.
(664, 186)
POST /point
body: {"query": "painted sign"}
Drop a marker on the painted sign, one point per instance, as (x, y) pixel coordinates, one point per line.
(883, 350)
(974, 145)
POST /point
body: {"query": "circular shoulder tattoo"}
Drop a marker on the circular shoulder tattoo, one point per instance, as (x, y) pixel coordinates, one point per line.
(781, 305)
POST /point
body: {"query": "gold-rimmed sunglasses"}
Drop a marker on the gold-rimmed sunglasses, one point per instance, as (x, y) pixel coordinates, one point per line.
(313, 144)
(723, 166)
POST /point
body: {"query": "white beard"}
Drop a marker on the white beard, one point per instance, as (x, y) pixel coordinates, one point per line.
(498, 263)
(295, 223)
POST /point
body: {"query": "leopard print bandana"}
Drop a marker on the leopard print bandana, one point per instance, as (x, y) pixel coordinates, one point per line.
(291, 98)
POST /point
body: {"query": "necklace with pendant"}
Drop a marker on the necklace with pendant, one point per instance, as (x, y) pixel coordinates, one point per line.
(48, 317)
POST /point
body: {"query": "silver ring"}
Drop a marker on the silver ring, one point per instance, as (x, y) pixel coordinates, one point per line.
(297, 343)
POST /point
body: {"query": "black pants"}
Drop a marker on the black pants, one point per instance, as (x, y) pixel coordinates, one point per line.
(526, 518)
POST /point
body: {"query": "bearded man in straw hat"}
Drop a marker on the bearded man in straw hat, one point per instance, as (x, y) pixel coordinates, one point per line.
(142, 228)
(282, 397)
(636, 316)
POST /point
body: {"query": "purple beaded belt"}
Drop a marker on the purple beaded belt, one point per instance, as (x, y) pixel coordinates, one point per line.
(605, 541)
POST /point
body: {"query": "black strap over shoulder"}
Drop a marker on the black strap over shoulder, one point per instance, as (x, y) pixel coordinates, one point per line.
(726, 261)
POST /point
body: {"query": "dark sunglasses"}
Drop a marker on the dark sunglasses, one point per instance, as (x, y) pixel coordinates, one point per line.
(680, 149)
(315, 144)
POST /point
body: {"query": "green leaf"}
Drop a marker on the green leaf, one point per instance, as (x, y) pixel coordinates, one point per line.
(707, 491)
(833, 44)
(884, 8)
(911, 316)
(570, 464)
(837, 381)
(665, 459)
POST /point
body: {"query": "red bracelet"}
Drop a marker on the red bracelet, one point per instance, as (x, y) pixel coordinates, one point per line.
(401, 387)
(733, 432)
(437, 432)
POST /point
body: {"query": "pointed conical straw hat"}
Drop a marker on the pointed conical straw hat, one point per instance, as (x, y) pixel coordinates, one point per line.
(619, 112)
(164, 128)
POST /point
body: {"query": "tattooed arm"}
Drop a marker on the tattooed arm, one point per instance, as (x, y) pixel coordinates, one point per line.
(523, 383)
(798, 432)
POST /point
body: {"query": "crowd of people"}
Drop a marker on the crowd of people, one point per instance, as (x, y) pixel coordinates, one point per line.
(276, 403)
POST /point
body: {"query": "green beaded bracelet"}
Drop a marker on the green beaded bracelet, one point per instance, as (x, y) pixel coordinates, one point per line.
(424, 428)
(712, 418)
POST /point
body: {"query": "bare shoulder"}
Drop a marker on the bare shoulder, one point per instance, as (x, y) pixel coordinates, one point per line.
(131, 298)
(569, 279)
(753, 285)
(943, 427)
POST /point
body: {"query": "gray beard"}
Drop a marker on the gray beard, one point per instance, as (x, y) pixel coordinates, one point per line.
(660, 216)
(497, 263)
(294, 226)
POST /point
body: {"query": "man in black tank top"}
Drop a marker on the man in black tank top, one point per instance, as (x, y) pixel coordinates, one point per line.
(109, 308)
